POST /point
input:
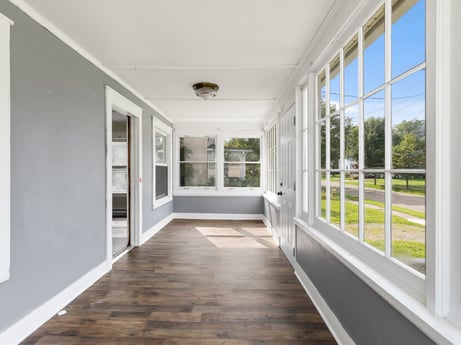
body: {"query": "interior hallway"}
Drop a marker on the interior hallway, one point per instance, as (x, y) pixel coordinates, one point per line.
(196, 282)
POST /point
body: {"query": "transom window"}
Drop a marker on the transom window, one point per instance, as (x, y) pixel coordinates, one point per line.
(371, 138)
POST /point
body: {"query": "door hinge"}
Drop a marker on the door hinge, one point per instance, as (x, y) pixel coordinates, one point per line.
(294, 251)
(294, 121)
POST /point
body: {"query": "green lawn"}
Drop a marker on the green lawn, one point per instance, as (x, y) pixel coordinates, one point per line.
(374, 218)
(405, 210)
(402, 249)
(372, 215)
(415, 186)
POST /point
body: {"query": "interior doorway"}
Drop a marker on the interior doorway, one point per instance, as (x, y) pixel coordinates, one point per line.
(123, 175)
(121, 183)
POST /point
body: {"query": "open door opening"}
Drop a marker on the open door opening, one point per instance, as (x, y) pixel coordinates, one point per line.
(121, 183)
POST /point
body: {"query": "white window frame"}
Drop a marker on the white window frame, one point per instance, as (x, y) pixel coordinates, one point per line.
(218, 189)
(270, 145)
(5, 149)
(158, 126)
(425, 302)
(397, 271)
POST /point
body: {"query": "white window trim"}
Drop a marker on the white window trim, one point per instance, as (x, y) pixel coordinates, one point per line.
(5, 149)
(160, 127)
(219, 189)
(117, 101)
(413, 282)
(429, 308)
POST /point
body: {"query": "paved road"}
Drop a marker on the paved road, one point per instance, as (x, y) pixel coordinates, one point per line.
(410, 201)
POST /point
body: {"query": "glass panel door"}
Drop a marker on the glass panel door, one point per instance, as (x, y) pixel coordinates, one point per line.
(120, 183)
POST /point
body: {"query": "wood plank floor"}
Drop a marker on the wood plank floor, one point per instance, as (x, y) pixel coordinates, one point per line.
(196, 282)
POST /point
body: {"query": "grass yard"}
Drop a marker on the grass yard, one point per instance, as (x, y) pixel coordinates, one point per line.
(408, 237)
(415, 186)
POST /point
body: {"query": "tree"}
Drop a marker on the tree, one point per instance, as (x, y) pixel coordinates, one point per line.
(374, 142)
(409, 153)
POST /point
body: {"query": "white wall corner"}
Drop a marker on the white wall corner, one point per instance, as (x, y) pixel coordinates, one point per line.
(147, 235)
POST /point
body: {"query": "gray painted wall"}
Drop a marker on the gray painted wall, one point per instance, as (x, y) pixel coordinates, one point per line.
(272, 215)
(221, 204)
(365, 315)
(57, 167)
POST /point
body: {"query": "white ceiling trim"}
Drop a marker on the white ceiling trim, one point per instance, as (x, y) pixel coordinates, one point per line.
(202, 68)
(23, 6)
(196, 99)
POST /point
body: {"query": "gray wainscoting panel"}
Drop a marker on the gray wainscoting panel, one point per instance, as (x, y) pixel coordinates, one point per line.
(365, 315)
(219, 204)
(58, 167)
(272, 214)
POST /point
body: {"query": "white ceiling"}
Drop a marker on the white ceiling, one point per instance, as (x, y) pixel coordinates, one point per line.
(161, 47)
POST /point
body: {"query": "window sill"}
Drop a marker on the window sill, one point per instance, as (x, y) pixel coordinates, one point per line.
(160, 202)
(214, 192)
(439, 329)
(272, 199)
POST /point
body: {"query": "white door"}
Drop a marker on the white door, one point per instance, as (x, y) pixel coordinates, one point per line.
(288, 182)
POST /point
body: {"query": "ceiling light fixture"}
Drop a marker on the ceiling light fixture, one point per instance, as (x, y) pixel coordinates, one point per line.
(206, 90)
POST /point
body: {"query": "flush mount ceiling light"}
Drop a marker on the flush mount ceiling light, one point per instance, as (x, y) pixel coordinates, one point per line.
(206, 90)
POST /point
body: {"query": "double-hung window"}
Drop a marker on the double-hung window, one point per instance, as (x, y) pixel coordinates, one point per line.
(162, 144)
(371, 135)
(197, 162)
(5, 24)
(242, 166)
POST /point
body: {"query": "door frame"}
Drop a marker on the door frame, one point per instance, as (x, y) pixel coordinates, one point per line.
(115, 101)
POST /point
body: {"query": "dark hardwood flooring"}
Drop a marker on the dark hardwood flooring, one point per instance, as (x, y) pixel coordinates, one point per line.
(196, 282)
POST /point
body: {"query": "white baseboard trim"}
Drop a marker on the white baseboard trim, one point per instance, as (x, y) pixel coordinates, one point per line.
(223, 216)
(333, 324)
(267, 223)
(24, 327)
(145, 236)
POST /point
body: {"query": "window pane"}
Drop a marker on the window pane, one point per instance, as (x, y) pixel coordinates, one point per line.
(335, 200)
(374, 210)
(351, 138)
(160, 148)
(335, 135)
(323, 195)
(334, 84)
(351, 204)
(197, 149)
(241, 175)
(305, 192)
(409, 122)
(305, 148)
(409, 220)
(323, 147)
(241, 150)
(197, 174)
(322, 94)
(408, 35)
(161, 182)
(351, 71)
(373, 55)
(374, 131)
